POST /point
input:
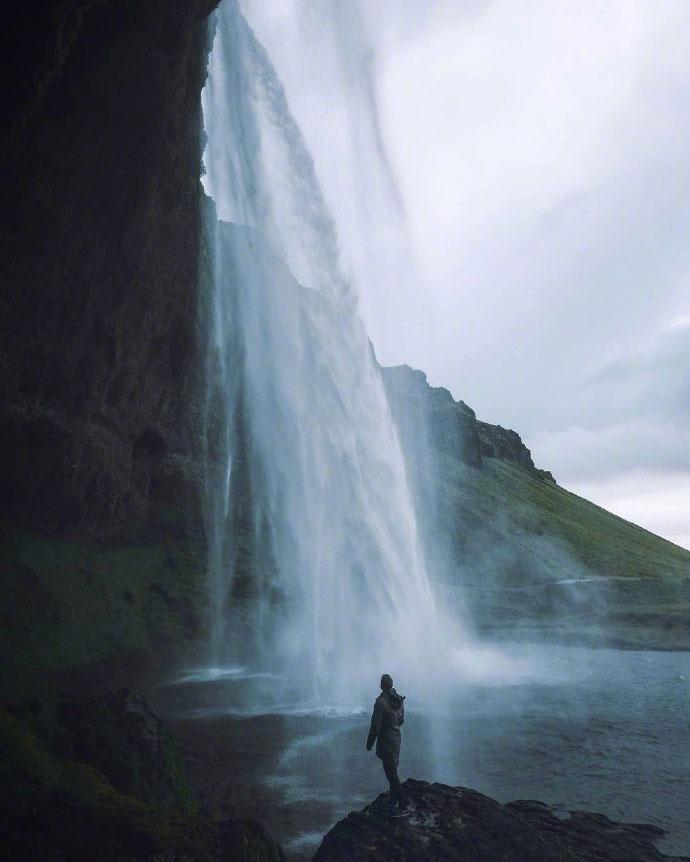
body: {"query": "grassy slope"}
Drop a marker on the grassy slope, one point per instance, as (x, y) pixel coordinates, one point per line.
(601, 541)
(69, 603)
(522, 529)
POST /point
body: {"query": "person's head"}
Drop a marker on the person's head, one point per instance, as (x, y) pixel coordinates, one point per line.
(386, 682)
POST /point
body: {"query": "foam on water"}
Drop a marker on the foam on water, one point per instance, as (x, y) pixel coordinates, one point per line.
(281, 709)
(217, 674)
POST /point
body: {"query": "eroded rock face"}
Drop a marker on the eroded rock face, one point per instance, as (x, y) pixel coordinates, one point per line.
(450, 425)
(99, 259)
(499, 442)
(454, 823)
(451, 428)
(507, 445)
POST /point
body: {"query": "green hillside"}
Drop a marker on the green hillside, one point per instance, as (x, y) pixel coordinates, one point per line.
(601, 541)
(543, 562)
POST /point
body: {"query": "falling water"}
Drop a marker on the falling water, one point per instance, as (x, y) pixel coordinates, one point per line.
(316, 569)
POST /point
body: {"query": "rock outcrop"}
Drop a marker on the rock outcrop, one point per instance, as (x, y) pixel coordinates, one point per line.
(499, 442)
(449, 426)
(454, 823)
(117, 733)
(110, 785)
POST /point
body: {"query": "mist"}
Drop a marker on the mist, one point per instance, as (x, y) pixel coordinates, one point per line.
(515, 248)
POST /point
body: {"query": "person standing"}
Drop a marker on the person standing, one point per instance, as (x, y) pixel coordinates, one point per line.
(388, 716)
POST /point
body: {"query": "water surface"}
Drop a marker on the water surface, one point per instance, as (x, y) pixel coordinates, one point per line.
(601, 730)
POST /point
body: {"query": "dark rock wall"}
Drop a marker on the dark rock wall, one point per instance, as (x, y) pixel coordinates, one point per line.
(99, 259)
(498, 442)
(112, 786)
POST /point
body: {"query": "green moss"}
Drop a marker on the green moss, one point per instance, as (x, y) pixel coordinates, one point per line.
(117, 734)
(68, 603)
(509, 501)
(51, 804)
(54, 808)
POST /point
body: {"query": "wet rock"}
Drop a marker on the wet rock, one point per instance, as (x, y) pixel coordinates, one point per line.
(247, 841)
(454, 823)
(57, 807)
(118, 734)
(100, 255)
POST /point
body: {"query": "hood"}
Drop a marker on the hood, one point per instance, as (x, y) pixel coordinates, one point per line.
(393, 698)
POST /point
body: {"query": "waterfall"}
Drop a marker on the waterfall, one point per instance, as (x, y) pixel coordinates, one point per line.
(316, 570)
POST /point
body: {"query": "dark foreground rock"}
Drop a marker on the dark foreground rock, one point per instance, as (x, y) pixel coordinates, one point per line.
(454, 823)
(102, 778)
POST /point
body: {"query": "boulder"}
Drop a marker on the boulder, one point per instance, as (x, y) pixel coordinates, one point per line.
(70, 807)
(455, 823)
(118, 734)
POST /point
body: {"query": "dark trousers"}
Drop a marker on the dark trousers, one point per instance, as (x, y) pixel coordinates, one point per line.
(391, 771)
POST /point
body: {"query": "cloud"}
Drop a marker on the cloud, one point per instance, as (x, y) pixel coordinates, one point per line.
(542, 155)
(651, 381)
(613, 451)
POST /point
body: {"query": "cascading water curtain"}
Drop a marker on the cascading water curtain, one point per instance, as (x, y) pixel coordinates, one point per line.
(316, 570)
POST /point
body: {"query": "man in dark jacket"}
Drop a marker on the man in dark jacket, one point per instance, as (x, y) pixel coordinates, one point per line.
(389, 714)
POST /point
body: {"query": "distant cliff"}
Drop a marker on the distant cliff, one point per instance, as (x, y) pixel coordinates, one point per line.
(519, 552)
(454, 427)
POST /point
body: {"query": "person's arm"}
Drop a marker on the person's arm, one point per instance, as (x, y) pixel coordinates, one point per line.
(402, 712)
(375, 727)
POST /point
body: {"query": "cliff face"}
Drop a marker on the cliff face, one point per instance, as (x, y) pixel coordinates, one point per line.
(451, 427)
(518, 551)
(100, 430)
(99, 259)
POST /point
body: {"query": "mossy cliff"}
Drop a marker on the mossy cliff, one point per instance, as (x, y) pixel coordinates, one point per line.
(102, 559)
(101, 320)
(54, 806)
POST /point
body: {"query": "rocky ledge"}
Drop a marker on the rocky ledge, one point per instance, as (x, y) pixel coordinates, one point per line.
(100, 777)
(454, 823)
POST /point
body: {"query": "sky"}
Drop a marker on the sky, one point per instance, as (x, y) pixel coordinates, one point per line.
(510, 180)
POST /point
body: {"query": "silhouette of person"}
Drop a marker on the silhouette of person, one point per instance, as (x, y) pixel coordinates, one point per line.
(388, 715)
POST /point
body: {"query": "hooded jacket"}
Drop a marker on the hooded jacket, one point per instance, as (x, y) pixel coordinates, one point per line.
(389, 714)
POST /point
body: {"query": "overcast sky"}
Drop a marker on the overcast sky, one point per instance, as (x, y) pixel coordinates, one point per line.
(511, 186)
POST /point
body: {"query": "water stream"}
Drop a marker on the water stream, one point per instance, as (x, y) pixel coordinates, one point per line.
(316, 568)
